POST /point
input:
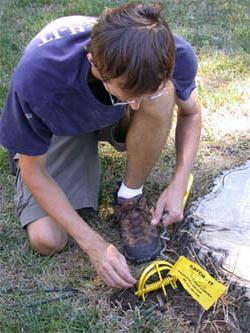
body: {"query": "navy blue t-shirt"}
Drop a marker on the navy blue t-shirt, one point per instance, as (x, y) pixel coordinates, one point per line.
(49, 92)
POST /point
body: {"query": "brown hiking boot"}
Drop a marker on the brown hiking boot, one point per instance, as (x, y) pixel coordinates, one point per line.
(141, 240)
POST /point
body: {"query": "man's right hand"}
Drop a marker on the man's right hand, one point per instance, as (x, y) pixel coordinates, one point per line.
(111, 265)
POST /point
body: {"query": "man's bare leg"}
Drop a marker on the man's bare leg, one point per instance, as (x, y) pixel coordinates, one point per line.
(46, 236)
(147, 136)
(145, 140)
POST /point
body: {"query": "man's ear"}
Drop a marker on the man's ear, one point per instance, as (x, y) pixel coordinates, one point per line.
(90, 58)
(94, 70)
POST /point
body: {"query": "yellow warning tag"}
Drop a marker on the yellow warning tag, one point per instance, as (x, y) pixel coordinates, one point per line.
(198, 283)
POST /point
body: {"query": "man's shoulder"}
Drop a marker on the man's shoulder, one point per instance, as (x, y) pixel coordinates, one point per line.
(185, 69)
(64, 27)
(61, 38)
(183, 48)
(186, 59)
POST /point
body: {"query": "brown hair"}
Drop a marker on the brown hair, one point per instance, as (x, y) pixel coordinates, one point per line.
(133, 41)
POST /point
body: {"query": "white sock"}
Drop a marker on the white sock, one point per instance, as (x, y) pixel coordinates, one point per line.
(128, 193)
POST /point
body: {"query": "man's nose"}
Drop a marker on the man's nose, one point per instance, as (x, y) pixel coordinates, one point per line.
(135, 106)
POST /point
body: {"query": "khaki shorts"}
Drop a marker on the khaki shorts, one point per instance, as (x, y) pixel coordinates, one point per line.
(73, 162)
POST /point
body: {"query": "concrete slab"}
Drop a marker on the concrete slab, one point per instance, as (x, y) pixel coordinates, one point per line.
(221, 223)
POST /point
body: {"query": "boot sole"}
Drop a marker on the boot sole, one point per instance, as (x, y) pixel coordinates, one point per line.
(142, 260)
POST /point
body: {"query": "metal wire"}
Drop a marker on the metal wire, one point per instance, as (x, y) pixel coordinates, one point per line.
(164, 238)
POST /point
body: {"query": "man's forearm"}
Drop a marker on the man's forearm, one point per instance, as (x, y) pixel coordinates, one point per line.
(54, 201)
(110, 265)
(188, 132)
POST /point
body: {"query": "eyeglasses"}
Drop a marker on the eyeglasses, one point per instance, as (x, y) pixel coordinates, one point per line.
(116, 102)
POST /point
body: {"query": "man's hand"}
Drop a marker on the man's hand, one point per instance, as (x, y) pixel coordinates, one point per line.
(171, 203)
(111, 265)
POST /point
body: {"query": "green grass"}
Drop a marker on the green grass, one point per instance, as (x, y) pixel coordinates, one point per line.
(219, 32)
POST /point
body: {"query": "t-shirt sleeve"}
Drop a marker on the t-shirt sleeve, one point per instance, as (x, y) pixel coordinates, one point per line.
(185, 72)
(21, 128)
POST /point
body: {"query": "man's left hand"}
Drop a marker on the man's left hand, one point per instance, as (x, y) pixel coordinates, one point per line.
(170, 205)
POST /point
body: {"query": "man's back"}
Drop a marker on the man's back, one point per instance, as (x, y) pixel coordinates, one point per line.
(50, 93)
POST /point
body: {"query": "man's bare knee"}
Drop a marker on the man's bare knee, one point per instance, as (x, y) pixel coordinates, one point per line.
(46, 237)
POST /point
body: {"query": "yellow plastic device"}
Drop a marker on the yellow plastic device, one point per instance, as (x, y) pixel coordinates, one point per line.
(155, 267)
(158, 266)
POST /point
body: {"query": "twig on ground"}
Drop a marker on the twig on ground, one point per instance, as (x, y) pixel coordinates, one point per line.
(199, 322)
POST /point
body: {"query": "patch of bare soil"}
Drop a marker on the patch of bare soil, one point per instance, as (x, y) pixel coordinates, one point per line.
(230, 314)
